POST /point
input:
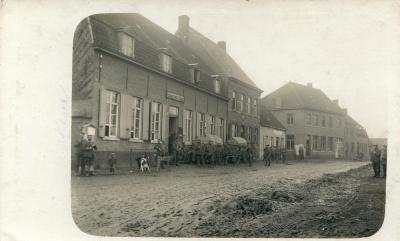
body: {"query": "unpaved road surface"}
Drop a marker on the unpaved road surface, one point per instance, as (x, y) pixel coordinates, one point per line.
(227, 201)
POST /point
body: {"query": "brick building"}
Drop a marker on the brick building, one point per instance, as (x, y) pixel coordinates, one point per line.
(243, 108)
(310, 118)
(136, 84)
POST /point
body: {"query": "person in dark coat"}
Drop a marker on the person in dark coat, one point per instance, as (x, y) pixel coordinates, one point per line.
(112, 162)
(267, 156)
(375, 159)
(383, 160)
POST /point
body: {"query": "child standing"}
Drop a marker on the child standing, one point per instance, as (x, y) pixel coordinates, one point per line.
(112, 162)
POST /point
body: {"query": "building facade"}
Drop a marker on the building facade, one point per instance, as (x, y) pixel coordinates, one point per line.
(356, 141)
(243, 118)
(311, 119)
(272, 131)
(137, 84)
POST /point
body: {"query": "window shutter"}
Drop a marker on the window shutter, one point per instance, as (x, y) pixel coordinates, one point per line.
(102, 112)
(198, 124)
(146, 117)
(184, 126)
(126, 116)
(164, 119)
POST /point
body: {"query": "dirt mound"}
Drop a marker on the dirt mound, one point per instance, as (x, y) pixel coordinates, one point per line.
(249, 205)
(284, 196)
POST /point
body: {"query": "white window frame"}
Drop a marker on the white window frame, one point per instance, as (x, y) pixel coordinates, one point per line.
(155, 126)
(166, 63)
(234, 100)
(290, 118)
(217, 86)
(109, 104)
(126, 44)
(212, 125)
(135, 132)
(241, 102)
(255, 107)
(203, 124)
(221, 127)
(249, 105)
(234, 130)
(188, 115)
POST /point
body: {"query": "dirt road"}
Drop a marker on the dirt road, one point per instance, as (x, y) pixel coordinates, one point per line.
(189, 201)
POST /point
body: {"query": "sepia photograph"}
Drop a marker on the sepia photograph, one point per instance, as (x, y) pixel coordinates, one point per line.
(172, 138)
(137, 119)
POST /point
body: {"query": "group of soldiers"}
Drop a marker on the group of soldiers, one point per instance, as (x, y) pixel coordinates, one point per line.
(378, 158)
(86, 156)
(274, 154)
(202, 154)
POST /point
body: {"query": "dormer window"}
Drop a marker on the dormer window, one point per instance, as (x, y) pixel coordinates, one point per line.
(166, 63)
(194, 73)
(217, 86)
(126, 44)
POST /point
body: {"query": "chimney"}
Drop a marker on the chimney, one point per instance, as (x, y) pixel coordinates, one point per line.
(309, 84)
(183, 27)
(336, 102)
(222, 45)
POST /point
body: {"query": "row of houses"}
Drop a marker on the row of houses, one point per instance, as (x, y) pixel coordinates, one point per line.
(135, 84)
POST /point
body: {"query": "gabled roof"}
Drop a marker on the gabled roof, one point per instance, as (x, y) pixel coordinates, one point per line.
(267, 119)
(296, 96)
(150, 41)
(218, 58)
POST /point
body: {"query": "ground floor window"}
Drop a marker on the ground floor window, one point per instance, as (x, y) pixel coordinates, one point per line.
(136, 125)
(112, 108)
(323, 143)
(272, 141)
(330, 143)
(265, 141)
(315, 142)
(188, 128)
(212, 125)
(290, 142)
(221, 127)
(203, 125)
(156, 121)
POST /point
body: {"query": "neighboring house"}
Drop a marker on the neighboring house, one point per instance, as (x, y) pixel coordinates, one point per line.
(378, 141)
(355, 139)
(137, 84)
(272, 131)
(310, 118)
(243, 109)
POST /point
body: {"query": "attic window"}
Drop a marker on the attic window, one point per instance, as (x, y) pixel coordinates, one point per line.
(166, 63)
(126, 44)
(195, 75)
(217, 86)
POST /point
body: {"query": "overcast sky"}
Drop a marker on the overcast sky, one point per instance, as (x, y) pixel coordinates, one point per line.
(344, 50)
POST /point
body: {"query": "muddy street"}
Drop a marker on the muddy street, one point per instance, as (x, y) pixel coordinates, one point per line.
(241, 201)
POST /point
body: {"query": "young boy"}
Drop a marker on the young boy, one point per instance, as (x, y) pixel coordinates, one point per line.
(112, 162)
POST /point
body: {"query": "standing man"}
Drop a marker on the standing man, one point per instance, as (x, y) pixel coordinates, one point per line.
(301, 152)
(267, 156)
(177, 148)
(159, 147)
(283, 155)
(383, 160)
(375, 159)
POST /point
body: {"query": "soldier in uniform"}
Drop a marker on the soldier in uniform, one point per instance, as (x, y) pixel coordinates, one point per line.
(88, 155)
(301, 153)
(375, 159)
(209, 154)
(267, 156)
(198, 152)
(250, 154)
(177, 149)
(384, 159)
(160, 150)
(283, 155)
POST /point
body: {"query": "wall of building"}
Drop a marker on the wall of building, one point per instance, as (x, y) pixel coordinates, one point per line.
(128, 79)
(265, 138)
(302, 131)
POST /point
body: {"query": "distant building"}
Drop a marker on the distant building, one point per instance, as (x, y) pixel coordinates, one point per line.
(378, 141)
(272, 131)
(355, 139)
(310, 119)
